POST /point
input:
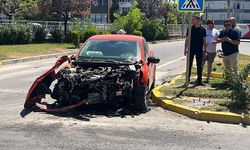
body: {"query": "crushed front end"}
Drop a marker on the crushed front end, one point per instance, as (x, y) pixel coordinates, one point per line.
(85, 83)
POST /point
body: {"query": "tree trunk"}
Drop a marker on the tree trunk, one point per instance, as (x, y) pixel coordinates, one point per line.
(65, 26)
(66, 18)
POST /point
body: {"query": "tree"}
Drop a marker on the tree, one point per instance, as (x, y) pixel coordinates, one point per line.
(66, 7)
(151, 8)
(29, 9)
(9, 7)
(132, 22)
(114, 9)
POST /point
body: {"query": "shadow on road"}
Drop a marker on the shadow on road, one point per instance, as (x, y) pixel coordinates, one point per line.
(88, 112)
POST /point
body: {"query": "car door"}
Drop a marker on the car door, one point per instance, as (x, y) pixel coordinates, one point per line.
(150, 66)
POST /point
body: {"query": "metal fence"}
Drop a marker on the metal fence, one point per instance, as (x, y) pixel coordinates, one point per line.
(173, 29)
(177, 29)
(50, 25)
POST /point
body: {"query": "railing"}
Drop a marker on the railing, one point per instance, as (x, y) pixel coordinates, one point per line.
(177, 29)
(50, 25)
(173, 29)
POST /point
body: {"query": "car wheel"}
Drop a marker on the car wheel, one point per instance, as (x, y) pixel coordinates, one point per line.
(141, 99)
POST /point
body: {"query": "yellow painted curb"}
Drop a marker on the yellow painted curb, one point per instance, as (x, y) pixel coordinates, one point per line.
(246, 120)
(222, 117)
(184, 110)
(220, 75)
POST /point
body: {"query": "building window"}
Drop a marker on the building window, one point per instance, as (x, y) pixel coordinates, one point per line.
(125, 10)
(222, 17)
(238, 6)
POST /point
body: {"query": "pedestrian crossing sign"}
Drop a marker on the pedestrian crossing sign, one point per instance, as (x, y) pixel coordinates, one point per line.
(191, 5)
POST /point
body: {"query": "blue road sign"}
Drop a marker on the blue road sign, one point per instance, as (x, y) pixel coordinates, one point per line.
(191, 5)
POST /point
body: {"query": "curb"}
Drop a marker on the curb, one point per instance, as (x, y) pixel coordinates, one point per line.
(166, 41)
(222, 117)
(220, 75)
(34, 58)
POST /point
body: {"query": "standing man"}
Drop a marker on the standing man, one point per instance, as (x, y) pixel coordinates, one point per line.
(211, 36)
(230, 40)
(235, 27)
(198, 42)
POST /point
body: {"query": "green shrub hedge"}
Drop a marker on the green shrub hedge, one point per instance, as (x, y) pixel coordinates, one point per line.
(57, 36)
(149, 30)
(76, 38)
(153, 30)
(40, 35)
(15, 34)
(88, 33)
(138, 33)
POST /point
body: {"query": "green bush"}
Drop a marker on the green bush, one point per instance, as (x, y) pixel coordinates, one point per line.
(149, 30)
(24, 35)
(76, 38)
(57, 36)
(68, 38)
(88, 33)
(40, 35)
(15, 34)
(133, 21)
(103, 32)
(139, 33)
(239, 88)
(161, 33)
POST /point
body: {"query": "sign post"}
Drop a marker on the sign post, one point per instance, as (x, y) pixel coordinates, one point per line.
(190, 6)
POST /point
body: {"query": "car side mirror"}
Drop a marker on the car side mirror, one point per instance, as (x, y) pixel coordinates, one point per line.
(73, 57)
(153, 60)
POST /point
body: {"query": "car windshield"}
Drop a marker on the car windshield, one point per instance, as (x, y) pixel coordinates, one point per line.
(111, 49)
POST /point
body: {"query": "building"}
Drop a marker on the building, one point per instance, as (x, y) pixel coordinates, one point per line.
(2, 16)
(217, 10)
(100, 11)
(124, 6)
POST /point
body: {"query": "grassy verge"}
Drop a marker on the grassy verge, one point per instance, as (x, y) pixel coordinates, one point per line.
(19, 51)
(218, 65)
(211, 97)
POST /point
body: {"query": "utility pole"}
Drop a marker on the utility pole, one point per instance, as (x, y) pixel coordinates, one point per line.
(228, 8)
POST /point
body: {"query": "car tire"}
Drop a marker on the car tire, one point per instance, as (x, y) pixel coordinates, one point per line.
(140, 98)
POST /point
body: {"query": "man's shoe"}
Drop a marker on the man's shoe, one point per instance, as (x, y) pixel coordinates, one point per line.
(199, 83)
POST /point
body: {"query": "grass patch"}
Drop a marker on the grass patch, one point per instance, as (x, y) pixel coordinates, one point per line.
(215, 89)
(19, 51)
(212, 97)
(218, 65)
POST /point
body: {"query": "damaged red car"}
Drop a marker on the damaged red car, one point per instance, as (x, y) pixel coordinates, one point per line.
(107, 69)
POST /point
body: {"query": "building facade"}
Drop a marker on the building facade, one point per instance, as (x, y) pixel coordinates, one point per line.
(124, 6)
(100, 11)
(217, 10)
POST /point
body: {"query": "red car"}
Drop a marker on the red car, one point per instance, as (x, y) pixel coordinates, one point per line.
(107, 69)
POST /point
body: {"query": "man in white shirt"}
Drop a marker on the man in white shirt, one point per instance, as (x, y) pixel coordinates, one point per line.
(211, 36)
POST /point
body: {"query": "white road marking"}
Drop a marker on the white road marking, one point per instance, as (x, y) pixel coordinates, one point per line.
(168, 63)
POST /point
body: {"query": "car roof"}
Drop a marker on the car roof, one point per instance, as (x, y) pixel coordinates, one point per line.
(117, 37)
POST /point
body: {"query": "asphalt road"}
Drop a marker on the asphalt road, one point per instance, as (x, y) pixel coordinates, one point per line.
(156, 129)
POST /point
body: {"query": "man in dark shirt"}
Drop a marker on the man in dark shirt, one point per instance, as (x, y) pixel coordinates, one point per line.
(198, 42)
(230, 40)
